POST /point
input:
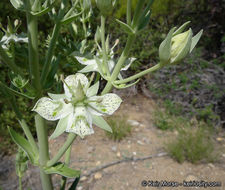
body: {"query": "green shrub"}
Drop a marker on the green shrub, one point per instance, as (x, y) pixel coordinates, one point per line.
(120, 127)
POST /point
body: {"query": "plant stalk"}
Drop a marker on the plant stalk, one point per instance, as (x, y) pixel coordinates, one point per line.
(62, 150)
(43, 151)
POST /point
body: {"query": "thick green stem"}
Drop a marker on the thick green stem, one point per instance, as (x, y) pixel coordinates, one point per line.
(43, 151)
(67, 162)
(62, 150)
(105, 55)
(33, 49)
(20, 183)
(119, 64)
(152, 69)
(7, 60)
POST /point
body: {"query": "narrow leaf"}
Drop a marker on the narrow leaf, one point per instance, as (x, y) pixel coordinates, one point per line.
(181, 28)
(74, 184)
(62, 169)
(195, 40)
(25, 145)
(123, 86)
(126, 28)
(71, 18)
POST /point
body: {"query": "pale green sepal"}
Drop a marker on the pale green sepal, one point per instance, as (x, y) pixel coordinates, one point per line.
(56, 96)
(186, 49)
(25, 145)
(195, 40)
(100, 122)
(123, 86)
(89, 68)
(60, 128)
(165, 47)
(126, 28)
(181, 28)
(93, 90)
(63, 170)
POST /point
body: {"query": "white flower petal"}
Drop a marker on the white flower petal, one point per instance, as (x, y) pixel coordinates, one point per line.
(72, 82)
(80, 122)
(111, 65)
(85, 61)
(52, 109)
(56, 96)
(106, 104)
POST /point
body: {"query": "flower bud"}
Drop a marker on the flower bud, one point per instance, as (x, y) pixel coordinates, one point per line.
(105, 6)
(98, 35)
(177, 45)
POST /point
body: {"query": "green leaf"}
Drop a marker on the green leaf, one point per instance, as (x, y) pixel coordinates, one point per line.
(144, 21)
(195, 40)
(44, 11)
(126, 28)
(100, 122)
(181, 28)
(74, 184)
(122, 86)
(71, 18)
(25, 145)
(62, 169)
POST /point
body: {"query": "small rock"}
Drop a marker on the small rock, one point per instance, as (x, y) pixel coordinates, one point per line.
(133, 122)
(118, 154)
(128, 146)
(114, 148)
(98, 175)
(90, 149)
(83, 178)
(79, 188)
(98, 163)
(140, 142)
(176, 133)
(211, 165)
(136, 129)
(129, 142)
(191, 178)
(219, 139)
(223, 155)
(134, 153)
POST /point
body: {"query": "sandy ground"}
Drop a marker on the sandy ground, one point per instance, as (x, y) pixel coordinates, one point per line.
(97, 150)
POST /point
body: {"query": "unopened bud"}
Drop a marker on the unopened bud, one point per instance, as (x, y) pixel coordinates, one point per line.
(105, 6)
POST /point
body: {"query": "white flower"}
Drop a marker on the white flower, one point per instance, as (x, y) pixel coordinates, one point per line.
(6, 39)
(78, 108)
(92, 65)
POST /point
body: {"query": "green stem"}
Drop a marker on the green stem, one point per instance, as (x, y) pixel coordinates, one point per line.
(52, 44)
(7, 60)
(33, 48)
(119, 64)
(152, 69)
(128, 12)
(43, 151)
(67, 162)
(20, 183)
(62, 150)
(105, 55)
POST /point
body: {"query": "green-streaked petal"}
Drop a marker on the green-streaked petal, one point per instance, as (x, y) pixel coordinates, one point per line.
(85, 61)
(60, 128)
(181, 28)
(93, 90)
(195, 40)
(106, 104)
(72, 83)
(56, 96)
(52, 109)
(80, 122)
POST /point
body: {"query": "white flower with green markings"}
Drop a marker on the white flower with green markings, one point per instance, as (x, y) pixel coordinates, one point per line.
(78, 108)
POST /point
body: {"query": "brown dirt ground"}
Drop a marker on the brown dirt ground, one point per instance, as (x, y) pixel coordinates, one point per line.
(145, 140)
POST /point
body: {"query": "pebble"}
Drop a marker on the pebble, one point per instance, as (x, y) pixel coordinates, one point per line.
(98, 163)
(140, 142)
(219, 139)
(114, 148)
(79, 188)
(133, 122)
(211, 165)
(191, 178)
(98, 175)
(90, 149)
(134, 153)
(83, 178)
(118, 154)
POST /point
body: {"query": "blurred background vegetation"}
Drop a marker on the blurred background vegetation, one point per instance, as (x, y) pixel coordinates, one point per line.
(196, 87)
